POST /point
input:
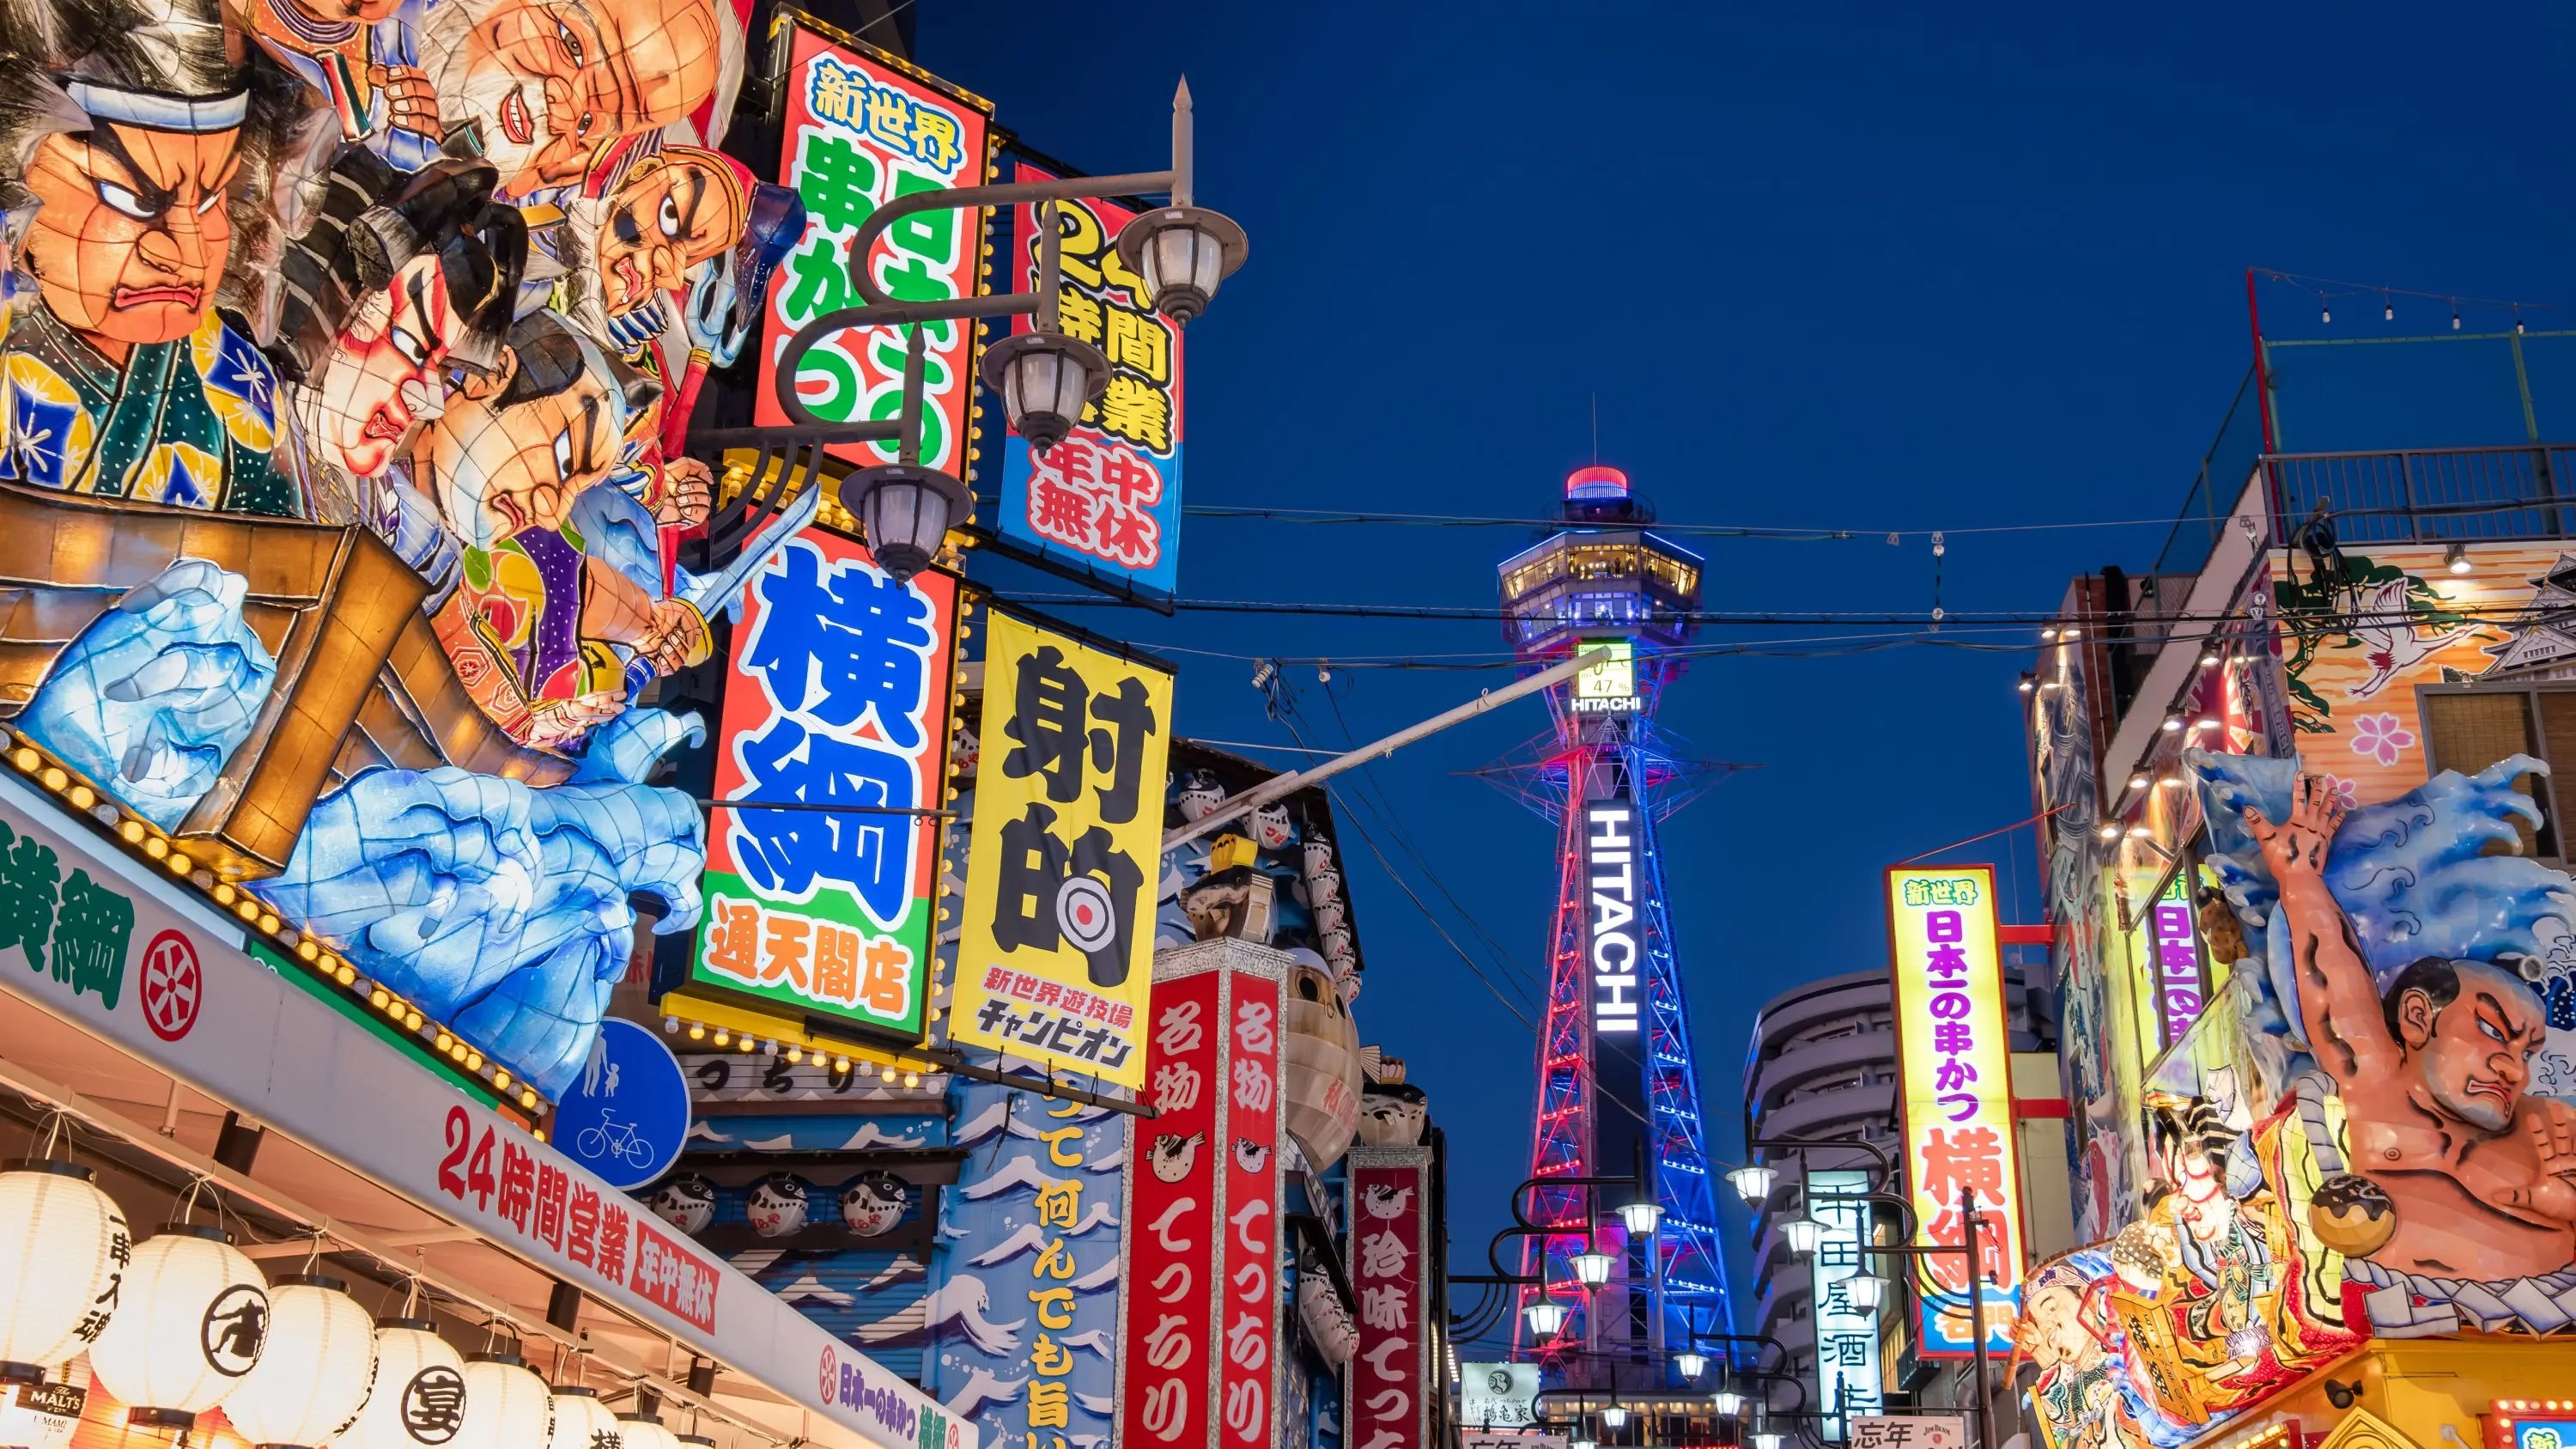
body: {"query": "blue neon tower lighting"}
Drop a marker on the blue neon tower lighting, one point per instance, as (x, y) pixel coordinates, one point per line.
(1616, 1081)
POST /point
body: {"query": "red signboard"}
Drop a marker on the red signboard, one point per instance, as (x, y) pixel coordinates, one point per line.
(1167, 1311)
(1389, 1394)
(1255, 1105)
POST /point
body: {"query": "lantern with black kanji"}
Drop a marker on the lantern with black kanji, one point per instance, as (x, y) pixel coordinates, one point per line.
(315, 1373)
(63, 1251)
(190, 1322)
(419, 1397)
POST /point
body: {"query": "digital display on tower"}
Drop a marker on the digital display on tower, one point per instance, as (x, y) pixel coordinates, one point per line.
(1609, 686)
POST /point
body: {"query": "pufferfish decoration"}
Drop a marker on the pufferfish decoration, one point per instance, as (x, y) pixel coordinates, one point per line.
(873, 1203)
(778, 1206)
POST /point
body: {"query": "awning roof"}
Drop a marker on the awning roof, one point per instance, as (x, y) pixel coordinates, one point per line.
(65, 1048)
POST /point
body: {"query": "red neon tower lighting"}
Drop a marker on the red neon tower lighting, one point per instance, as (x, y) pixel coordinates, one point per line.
(1616, 1081)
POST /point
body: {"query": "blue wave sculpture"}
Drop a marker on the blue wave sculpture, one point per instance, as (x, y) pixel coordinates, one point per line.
(156, 693)
(2412, 874)
(503, 910)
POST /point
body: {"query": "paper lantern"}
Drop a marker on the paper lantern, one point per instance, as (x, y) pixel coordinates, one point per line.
(191, 1319)
(644, 1431)
(419, 1397)
(506, 1406)
(40, 1416)
(315, 1373)
(582, 1421)
(63, 1250)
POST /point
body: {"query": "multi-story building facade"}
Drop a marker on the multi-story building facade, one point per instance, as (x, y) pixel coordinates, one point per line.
(1822, 1068)
(2366, 591)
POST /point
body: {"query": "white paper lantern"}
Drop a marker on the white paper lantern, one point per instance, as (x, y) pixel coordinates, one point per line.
(419, 1397)
(582, 1421)
(506, 1406)
(40, 1416)
(191, 1318)
(644, 1431)
(63, 1249)
(315, 1373)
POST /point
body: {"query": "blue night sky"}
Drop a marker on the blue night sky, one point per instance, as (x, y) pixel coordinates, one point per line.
(1825, 265)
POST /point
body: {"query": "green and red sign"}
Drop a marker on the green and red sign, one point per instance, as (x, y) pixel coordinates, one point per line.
(822, 892)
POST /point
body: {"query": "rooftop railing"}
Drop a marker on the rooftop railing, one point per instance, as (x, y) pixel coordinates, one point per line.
(2429, 495)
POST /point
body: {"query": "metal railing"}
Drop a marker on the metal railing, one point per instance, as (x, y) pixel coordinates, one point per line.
(2428, 495)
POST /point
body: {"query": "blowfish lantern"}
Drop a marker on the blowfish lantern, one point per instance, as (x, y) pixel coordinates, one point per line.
(1322, 1057)
(191, 1319)
(874, 1203)
(57, 1289)
(778, 1206)
(687, 1203)
(315, 1373)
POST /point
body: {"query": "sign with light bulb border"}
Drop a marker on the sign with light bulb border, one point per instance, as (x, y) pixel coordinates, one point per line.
(838, 691)
(1954, 1068)
(863, 126)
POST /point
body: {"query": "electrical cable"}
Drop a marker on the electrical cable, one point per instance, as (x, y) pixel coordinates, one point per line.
(1680, 530)
(1384, 808)
(1418, 904)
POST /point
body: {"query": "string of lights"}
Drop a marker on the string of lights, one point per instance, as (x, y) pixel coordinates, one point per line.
(2327, 289)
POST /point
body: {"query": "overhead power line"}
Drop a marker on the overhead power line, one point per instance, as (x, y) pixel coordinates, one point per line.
(1692, 530)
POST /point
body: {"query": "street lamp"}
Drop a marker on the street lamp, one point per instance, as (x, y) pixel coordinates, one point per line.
(1803, 1235)
(1545, 1317)
(906, 510)
(1754, 1183)
(1865, 1291)
(1614, 1417)
(1182, 252)
(1641, 1212)
(1045, 379)
(1764, 1439)
(1726, 1403)
(1592, 1269)
(1692, 1364)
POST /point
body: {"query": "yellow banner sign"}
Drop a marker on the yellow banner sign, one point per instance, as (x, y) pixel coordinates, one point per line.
(1955, 1060)
(1056, 952)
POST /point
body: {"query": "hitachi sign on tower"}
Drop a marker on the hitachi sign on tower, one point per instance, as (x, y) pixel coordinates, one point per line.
(1609, 851)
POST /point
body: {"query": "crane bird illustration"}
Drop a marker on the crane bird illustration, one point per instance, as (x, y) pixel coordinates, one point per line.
(2391, 642)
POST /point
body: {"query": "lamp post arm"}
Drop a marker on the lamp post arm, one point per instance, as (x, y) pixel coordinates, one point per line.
(961, 198)
(1886, 1164)
(1236, 806)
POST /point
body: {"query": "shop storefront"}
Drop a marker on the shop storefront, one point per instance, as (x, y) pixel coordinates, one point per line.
(136, 1017)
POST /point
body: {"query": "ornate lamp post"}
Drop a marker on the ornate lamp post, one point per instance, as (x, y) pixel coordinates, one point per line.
(1182, 251)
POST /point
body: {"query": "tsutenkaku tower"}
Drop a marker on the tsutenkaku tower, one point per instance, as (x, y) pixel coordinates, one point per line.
(1617, 1084)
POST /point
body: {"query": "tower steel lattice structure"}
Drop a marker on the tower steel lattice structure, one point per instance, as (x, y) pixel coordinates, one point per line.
(1618, 1090)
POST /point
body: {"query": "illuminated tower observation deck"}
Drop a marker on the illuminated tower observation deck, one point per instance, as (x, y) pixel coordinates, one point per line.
(1616, 1081)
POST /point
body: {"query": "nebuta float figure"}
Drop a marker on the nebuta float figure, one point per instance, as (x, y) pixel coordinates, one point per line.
(125, 379)
(2432, 1072)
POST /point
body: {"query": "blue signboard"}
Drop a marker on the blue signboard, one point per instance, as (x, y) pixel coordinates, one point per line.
(627, 1114)
(1106, 501)
(1027, 1296)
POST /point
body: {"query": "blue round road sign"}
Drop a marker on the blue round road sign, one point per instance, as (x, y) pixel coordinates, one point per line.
(628, 1112)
